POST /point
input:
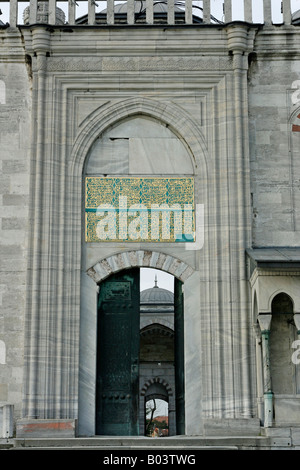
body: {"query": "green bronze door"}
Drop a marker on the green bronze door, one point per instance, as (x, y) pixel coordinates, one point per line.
(179, 357)
(118, 355)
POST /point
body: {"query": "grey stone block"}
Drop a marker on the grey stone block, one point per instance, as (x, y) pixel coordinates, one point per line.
(46, 428)
(231, 427)
(6, 421)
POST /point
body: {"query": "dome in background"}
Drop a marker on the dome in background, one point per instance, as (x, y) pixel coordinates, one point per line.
(156, 295)
(141, 5)
(296, 17)
(160, 13)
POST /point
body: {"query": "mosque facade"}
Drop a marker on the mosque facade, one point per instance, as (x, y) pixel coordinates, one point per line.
(149, 135)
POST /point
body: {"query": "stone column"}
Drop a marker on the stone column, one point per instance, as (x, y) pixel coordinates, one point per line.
(286, 11)
(267, 12)
(248, 11)
(35, 370)
(259, 372)
(13, 13)
(91, 12)
(240, 43)
(33, 11)
(265, 325)
(228, 11)
(206, 11)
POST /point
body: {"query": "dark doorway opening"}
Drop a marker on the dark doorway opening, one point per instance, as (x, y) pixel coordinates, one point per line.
(118, 355)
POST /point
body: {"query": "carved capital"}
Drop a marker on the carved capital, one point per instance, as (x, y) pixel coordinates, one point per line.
(40, 41)
(265, 322)
(240, 42)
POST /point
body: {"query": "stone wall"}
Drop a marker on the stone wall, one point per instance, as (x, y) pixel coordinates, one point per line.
(15, 118)
(196, 83)
(274, 106)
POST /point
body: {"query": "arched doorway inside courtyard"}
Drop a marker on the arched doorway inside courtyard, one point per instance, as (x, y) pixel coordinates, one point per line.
(156, 411)
(122, 354)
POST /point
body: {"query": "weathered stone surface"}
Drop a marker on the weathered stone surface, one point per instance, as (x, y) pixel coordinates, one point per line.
(218, 103)
(45, 428)
(15, 107)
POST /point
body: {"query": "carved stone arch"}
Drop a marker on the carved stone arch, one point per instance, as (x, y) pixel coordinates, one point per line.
(159, 328)
(278, 292)
(163, 390)
(162, 323)
(153, 381)
(177, 119)
(140, 259)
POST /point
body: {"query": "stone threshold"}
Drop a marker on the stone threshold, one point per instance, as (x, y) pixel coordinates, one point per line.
(142, 443)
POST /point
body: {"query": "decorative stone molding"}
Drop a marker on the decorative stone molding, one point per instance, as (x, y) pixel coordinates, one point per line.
(71, 64)
(140, 258)
(166, 63)
(259, 272)
(154, 329)
(138, 64)
(265, 322)
(145, 323)
(153, 381)
(239, 39)
(107, 115)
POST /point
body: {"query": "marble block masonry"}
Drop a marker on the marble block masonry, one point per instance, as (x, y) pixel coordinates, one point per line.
(180, 91)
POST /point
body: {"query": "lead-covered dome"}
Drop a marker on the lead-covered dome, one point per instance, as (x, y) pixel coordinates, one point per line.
(296, 17)
(160, 13)
(139, 6)
(157, 307)
(156, 295)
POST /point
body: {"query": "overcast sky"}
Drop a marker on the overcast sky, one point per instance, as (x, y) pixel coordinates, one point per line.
(164, 280)
(217, 9)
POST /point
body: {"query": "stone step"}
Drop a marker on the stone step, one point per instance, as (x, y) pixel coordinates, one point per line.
(143, 443)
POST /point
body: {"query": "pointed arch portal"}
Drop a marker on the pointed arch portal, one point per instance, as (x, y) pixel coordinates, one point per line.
(106, 407)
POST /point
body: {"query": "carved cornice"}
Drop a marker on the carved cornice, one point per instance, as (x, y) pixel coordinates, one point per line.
(276, 272)
(138, 64)
(70, 64)
(167, 63)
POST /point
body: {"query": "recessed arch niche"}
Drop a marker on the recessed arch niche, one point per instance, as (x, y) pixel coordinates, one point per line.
(283, 334)
(134, 137)
(139, 145)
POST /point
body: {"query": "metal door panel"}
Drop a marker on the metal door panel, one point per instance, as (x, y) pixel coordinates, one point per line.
(179, 357)
(117, 356)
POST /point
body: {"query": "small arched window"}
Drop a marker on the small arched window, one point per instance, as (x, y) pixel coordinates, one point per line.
(282, 303)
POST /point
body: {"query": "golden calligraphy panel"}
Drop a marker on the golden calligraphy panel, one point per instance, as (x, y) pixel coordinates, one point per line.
(139, 209)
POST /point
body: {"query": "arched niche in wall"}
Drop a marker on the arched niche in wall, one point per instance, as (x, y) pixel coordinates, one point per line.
(139, 145)
(283, 333)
